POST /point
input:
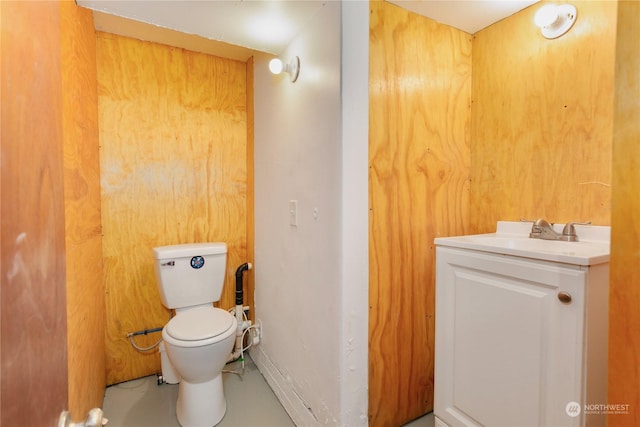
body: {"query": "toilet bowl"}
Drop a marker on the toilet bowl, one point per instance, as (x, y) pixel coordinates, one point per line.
(198, 343)
(199, 338)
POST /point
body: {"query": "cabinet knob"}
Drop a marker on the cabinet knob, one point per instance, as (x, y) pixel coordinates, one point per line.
(564, 297)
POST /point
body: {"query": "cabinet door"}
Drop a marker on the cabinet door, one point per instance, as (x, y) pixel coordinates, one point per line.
(508, 351)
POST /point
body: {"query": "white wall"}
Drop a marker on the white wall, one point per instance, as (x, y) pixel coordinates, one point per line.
(355, 213)
(312, 280)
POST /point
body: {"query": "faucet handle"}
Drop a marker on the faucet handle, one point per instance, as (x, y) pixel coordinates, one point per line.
(569, 231)
(533, 221)
(537, 222)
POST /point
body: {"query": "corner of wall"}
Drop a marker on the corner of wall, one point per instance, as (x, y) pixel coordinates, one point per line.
(282, 388)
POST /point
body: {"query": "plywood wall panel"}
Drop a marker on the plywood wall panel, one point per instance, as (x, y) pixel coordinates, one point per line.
(624, 318)
(85, 281)
(173, 138)
(420, 95)
(542, 120)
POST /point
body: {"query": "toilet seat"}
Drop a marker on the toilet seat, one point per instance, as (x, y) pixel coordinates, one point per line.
(199, 326)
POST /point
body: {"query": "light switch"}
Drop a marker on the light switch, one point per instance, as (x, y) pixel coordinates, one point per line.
(293, 213)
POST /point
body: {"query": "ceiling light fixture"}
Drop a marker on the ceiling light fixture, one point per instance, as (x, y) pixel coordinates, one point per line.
(555, 20)
(276, 66)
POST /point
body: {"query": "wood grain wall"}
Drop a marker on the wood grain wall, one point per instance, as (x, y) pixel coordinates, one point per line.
(83, 237)
(624, 318)
(420, 98)
(173, 161)
(33, 336)
(542, 120)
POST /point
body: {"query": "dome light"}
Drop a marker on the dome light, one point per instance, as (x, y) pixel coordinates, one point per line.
(276, 66)
(555, 20)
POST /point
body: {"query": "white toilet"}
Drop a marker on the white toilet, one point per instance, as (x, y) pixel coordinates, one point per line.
(200, 337)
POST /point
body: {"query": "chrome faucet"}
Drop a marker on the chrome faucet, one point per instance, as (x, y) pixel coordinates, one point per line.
(542, 229)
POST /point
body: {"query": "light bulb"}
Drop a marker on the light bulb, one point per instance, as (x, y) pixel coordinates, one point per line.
(276, 66)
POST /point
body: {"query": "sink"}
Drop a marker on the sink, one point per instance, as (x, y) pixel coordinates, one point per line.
(512, 238)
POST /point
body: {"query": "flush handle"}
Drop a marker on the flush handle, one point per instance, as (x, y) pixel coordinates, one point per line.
(564, 297)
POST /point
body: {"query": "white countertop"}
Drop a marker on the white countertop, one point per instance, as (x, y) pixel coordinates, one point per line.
(512, 238)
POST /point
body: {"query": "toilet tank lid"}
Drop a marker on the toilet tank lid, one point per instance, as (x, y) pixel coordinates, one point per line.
(189, 250)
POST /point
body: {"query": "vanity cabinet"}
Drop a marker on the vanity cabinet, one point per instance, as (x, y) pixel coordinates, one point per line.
(519, 341)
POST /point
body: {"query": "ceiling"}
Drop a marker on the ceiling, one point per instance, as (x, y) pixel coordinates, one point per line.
(469, 16)
(255, 25)
(236, 28)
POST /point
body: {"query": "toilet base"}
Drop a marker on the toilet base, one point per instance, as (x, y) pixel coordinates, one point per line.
(201, 405)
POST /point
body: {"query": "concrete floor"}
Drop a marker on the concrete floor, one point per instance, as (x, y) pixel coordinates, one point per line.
(250, 403)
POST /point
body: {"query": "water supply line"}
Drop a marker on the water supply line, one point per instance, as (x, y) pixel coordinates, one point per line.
(130, 335)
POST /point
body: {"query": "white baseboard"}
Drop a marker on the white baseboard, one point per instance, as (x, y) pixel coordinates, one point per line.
(440, 423)
(287, 396)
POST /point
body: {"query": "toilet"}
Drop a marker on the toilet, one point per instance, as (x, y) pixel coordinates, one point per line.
(200, 337)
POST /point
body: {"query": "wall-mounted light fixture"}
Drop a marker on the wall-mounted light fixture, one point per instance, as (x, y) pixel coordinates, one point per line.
(276, 66)
(555, 20)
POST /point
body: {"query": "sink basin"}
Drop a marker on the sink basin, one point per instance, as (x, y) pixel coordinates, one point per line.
(512, 238)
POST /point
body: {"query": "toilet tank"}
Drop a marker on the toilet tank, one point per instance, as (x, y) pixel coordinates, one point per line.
(190, 274)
